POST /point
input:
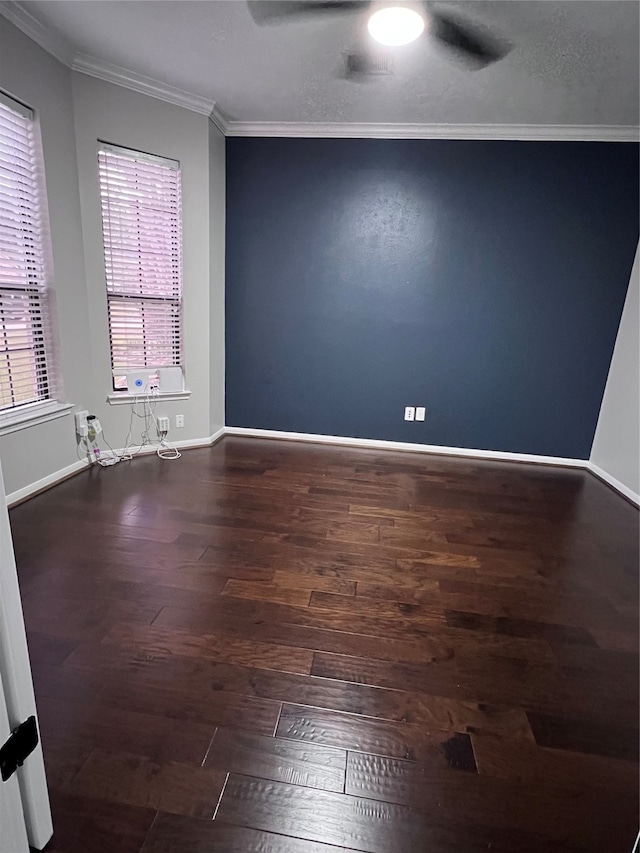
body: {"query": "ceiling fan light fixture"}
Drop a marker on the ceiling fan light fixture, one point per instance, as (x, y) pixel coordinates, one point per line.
(396, 25)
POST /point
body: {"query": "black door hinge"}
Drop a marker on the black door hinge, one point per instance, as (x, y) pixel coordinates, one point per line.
(21, 743)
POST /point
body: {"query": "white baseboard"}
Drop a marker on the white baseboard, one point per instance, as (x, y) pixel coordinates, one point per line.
(601, 474)
(379, 444)
(218, 435)
(344, 441)
(186, 444)
(46, 482)
(196, 442)
(50, 480)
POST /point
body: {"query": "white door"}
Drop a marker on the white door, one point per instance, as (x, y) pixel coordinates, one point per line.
(13, 833)
(17, 704)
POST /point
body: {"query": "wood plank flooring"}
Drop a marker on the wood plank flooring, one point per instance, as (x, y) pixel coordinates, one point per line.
(268, 647)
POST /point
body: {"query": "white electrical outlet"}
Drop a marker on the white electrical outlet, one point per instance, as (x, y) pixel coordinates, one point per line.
(179, 421)
(420, 413)
(163, 424)
(409, 413)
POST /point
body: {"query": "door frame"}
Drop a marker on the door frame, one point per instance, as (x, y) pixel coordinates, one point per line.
(13, 838)
(15, 672)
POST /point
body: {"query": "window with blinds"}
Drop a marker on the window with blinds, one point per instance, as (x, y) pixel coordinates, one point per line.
(142, 231)
(25, 339)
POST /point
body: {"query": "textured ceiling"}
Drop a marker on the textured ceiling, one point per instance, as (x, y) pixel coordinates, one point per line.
(573, 62)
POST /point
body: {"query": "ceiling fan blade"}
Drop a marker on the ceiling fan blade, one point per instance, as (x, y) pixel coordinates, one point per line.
(478, 47)
(265, 12)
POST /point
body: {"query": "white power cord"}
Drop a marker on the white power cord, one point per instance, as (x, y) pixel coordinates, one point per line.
(164, 448)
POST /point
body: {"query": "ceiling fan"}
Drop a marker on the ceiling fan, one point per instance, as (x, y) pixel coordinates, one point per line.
(391, 23)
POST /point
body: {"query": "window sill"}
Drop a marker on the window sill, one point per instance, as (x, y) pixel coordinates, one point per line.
(36, 413)
(121, 398)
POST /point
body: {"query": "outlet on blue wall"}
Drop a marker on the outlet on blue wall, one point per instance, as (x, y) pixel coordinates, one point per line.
(483, 280)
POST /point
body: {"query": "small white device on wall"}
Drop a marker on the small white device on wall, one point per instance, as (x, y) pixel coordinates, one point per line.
(140, 381)
(170, 380)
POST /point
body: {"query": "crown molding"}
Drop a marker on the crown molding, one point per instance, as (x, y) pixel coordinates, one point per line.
(86, 64)
(220, 120)
(541, 132)
(48, 39)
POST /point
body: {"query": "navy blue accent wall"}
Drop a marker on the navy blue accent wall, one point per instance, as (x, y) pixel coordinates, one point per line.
(483, 280)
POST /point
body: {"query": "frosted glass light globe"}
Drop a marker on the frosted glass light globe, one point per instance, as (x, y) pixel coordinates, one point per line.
(396, 25)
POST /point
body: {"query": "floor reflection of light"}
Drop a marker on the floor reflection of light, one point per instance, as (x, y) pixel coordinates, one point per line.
(128, 505)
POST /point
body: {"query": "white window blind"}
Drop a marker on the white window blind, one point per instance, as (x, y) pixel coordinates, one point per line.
(25, 338)
(142, 231)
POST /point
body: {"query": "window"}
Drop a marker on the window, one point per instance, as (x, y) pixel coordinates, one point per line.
(25, 270)
(142, 231)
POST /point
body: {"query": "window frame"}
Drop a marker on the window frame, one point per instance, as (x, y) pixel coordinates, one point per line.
(115, 297)
(44, 405)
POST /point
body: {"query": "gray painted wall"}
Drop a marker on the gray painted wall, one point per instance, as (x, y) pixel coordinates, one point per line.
(74, 112)
(616, 447)
(113, 114)
(217, 218)
(33, 76)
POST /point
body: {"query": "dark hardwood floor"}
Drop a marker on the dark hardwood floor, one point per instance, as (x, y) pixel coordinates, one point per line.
(268, 647)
